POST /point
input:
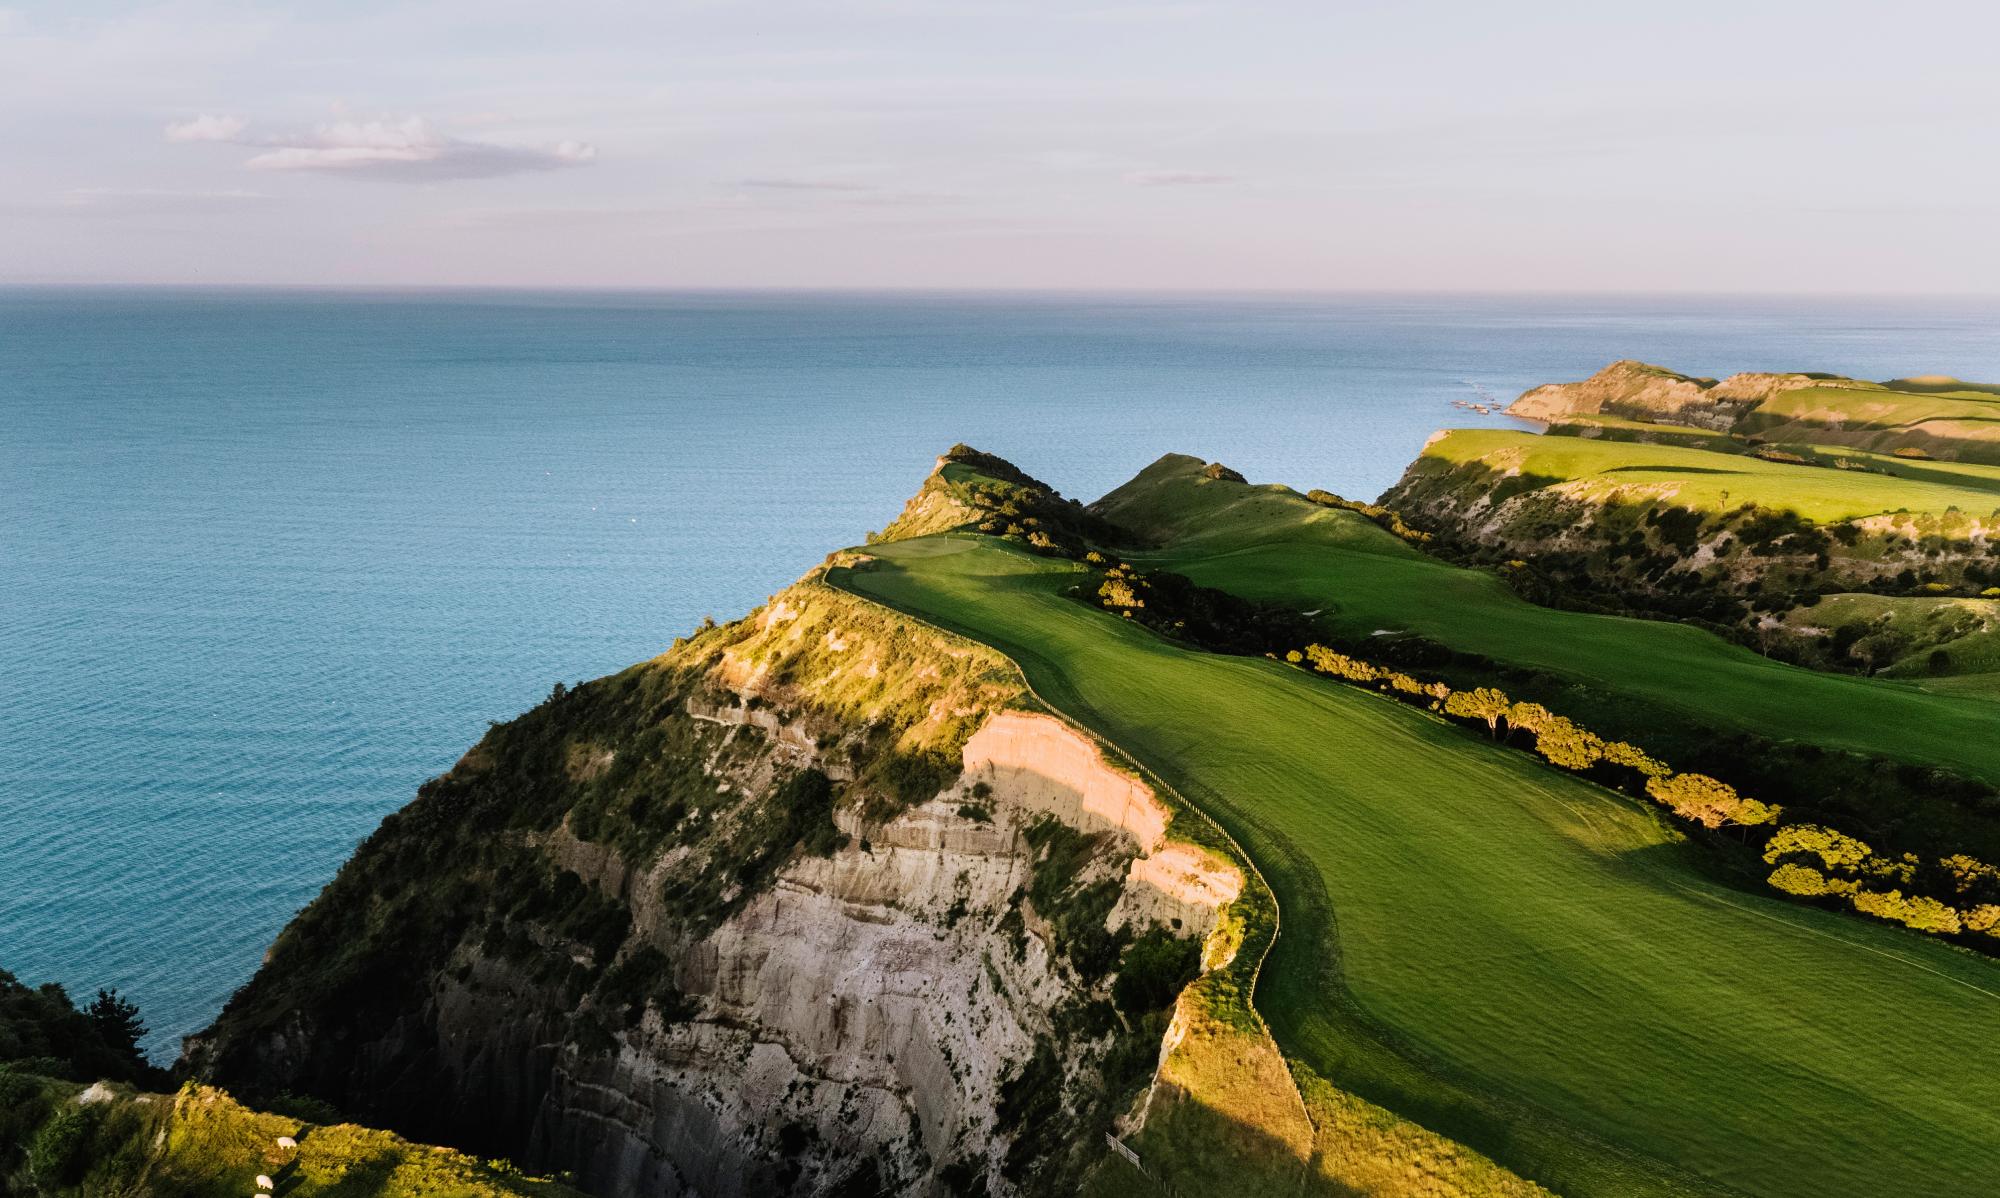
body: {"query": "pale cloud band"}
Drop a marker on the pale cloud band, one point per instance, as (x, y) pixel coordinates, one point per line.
(207, 128)
(1177, 178)
(409, 150)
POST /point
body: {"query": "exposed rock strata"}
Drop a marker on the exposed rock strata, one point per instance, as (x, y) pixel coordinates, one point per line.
(856, 1015)
(1638, 391)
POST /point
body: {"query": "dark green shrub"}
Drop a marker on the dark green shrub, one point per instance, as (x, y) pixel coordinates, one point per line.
(1153, 971)
(61, 1150)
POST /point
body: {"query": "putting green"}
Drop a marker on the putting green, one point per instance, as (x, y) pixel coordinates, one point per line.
(1510, 956)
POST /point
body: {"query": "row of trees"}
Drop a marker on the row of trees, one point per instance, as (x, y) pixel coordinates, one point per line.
(1557, 739)
(1819, 862)
(1810, 861)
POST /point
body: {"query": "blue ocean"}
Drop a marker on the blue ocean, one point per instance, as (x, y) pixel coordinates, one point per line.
(269, 559)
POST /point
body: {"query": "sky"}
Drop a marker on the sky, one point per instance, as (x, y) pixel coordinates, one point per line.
(1747, 146)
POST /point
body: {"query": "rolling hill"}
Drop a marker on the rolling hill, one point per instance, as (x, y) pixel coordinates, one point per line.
(1509, 956)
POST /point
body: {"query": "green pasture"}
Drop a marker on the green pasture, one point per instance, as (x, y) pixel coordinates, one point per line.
(1970, 475)
(1966, 630)
(1619, 428)
(1956, 420)
(1701, 480)
(1880, 407)
(1517, 959)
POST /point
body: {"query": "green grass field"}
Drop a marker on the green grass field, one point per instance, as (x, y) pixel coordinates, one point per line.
(1966, 630)
(1271, 544)
(1968, 475)
(1950, 418)
(1866, 405)
(1704, 481)
(200, 1143)
(1619, 428)
(1510, 956)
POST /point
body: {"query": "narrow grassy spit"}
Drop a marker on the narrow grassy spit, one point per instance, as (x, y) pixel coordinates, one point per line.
(1516, 959)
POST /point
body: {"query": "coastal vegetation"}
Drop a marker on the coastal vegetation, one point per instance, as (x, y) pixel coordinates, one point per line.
(1420, 871)
(1572, 901)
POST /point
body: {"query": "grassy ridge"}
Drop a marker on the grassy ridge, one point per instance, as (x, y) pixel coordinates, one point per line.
(1269, 543)
(1957, 419)
(1518, 959)
(1698, 479)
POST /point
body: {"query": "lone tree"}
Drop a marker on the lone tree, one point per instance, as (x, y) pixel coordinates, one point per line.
(117, 1021)
(1482, 704)
(1528, 717)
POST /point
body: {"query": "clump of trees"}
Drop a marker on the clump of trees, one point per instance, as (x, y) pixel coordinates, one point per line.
(42, 1032)
(1175, 606)
(1388, 518)
(1016, 506)
(1818, 862)
(1708, 802)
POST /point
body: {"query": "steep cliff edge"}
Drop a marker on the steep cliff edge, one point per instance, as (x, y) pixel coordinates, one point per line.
(816, 902)
(1932, 416)
(1730, 539)
(1640, 391)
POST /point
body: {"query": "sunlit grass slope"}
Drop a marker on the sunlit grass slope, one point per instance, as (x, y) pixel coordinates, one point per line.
(1698, 479)
(1953, 418)
(1272, 544)
(1511, 956)
(200, 1143)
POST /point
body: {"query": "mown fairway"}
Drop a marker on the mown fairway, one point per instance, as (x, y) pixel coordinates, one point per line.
(1702, 480)
(1508, 955)
(1270, 544)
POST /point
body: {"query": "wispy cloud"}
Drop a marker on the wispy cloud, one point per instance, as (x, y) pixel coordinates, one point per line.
(1177, 178)
(408, 150)
(207, 128)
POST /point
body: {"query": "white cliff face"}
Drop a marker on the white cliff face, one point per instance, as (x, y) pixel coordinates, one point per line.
(872, 1002)
(624, 942)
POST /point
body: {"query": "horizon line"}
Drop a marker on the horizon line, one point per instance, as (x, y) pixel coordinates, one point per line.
(984, 290)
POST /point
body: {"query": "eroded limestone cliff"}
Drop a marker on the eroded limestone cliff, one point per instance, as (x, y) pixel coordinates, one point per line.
(811, 903)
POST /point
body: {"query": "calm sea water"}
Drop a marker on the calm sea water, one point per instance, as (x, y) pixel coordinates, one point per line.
(270, 559)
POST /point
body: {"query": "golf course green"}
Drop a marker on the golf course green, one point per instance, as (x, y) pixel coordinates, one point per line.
(1515, 958)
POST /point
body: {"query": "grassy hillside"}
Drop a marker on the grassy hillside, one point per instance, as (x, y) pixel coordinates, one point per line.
(1697, 479)
(1271, 544)
(64, 1139)
(1950, 419)
(1942, 416)
(1517, 959)
(1914, 636)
